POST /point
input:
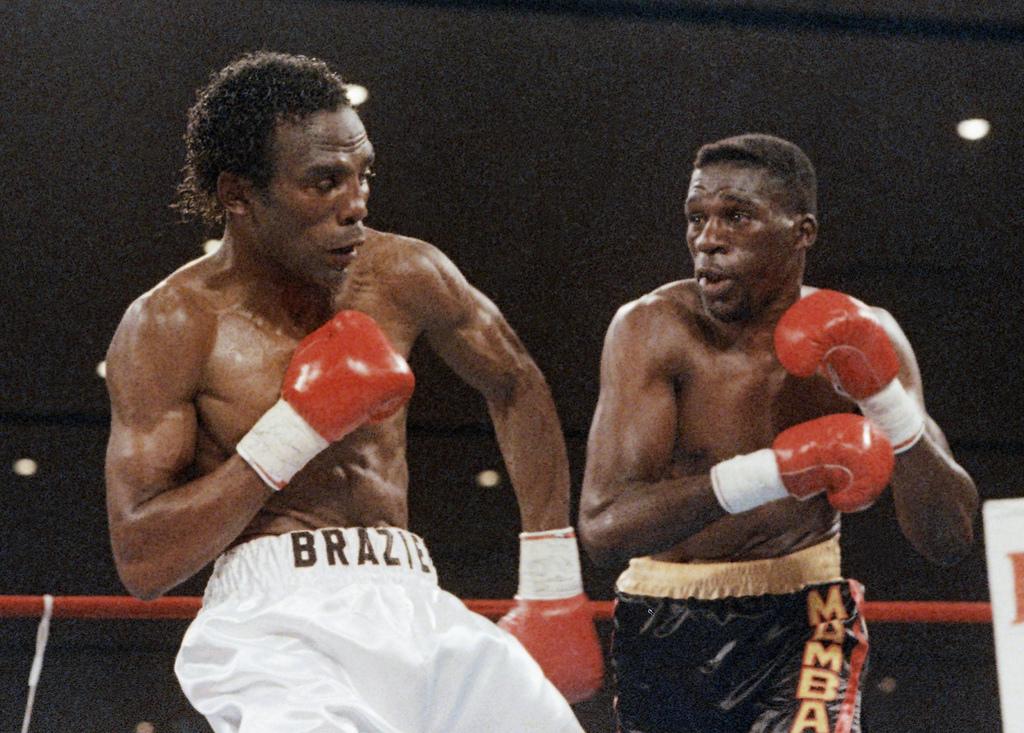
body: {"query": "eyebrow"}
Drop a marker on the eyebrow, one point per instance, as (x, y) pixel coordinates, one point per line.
(702, 194)
(736, 199)
(324, 169)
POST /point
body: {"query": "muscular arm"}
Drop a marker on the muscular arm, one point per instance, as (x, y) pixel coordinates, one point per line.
(470, 334)
(935, 499)
(164, 529)
(632, 504)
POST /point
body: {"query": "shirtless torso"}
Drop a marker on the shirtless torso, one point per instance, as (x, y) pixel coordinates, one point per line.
(220, 343)
(361, 481)
(733, 399)
(690, 378)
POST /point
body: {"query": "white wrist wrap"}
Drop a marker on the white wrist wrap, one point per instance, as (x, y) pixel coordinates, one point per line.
(279, 444)
(897, 414)
(549, 565)
(748, 481)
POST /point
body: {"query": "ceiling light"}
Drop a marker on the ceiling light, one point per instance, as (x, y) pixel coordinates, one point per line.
(887, 685)
(356, 94)
(25, 467)
(488, 479)
(973, 129)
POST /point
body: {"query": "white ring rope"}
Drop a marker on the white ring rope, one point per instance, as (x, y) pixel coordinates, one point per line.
(42, 635)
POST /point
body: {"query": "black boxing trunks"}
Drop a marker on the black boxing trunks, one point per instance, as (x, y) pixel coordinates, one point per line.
(770, 646)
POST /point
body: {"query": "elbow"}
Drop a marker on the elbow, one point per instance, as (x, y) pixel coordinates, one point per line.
(938, 516)
(145, 594)
(138, 565)
(607, 528)
(520, 382)
(141, 577)
(950, 550)
(601, 540)
(140, 582)
(949, 546)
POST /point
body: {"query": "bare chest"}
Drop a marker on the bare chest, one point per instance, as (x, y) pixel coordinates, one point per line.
(242, 376)
(735, 403)
(370, 290)
(244, 371)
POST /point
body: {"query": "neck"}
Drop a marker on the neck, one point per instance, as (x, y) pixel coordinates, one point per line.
(292, 304)
(755, 331)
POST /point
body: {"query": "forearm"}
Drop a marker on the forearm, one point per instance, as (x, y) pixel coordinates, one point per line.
(530, 437)
(636, 518)
(936, 502)
(167, 538)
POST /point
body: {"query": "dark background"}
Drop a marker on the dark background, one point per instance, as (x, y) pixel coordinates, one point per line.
(546, 148)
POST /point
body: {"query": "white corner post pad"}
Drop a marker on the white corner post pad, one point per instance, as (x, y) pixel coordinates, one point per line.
(748, 481)
(280, 444)
(898, 415)
(549, 565)
(1003, 521)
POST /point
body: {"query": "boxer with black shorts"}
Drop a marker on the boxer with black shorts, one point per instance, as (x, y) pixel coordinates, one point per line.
(740, 414)
(258, 419)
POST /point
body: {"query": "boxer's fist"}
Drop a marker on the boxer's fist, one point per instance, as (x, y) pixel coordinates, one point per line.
(560, 635)
(844, 455)
(346, 374)
(844, 338)
(343, 375)
(841, 335)
(552, 616)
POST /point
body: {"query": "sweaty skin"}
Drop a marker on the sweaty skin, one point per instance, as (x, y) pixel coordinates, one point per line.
(197, 360)
(689, 378)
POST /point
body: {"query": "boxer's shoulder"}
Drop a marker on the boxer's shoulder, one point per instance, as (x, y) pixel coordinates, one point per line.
(667, 317)
(392, 250)
(667, 304)
(177, 316)
(403, 267)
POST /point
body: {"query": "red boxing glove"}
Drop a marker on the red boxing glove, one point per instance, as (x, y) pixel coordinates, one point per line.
(552, 616)
(343, 375)
(837, 333)
(346, 374)
(845, 455)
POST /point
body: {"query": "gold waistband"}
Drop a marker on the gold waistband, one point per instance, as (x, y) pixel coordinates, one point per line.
(706, 581)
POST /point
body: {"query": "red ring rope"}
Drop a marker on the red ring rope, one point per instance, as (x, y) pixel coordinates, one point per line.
(185, 607)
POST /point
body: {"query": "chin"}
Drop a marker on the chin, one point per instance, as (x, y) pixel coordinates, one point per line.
(331, 278)
(728, 316)
(724, 312)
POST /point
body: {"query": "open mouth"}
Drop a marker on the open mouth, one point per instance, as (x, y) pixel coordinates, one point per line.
(712, 276)
(342, 257)
(714, 282)
(348, 250)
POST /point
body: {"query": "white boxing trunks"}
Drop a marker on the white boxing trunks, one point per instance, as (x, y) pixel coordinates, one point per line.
(346, 630)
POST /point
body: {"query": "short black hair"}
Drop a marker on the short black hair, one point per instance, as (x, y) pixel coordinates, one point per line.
(783, 160)
(231, 125)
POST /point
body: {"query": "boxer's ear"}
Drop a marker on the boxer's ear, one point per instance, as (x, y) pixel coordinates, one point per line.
(234, 193)
(807, 231)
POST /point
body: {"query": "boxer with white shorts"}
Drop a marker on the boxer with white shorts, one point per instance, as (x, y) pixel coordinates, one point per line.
(258, 401)
(347, 630)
